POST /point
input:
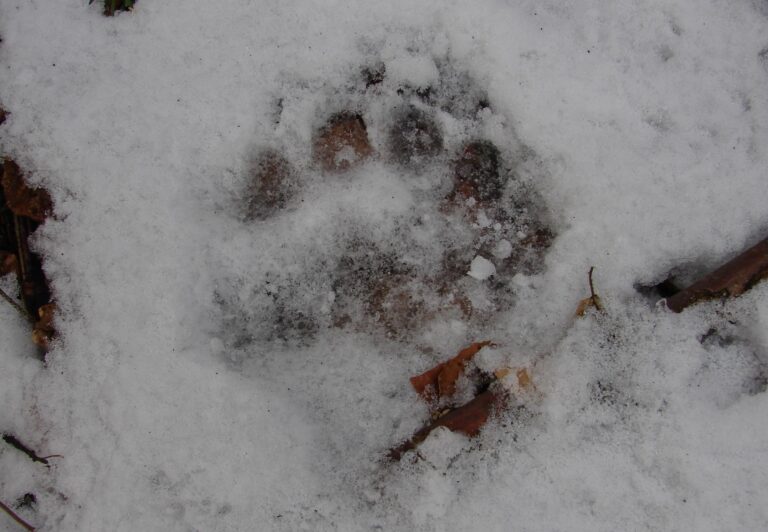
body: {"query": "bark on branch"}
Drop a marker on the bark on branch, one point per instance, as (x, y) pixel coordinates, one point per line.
(731, 279)
(14, 442)
(16, 517)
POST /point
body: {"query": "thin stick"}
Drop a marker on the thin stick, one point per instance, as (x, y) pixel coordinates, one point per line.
(15, 305)
(591, 286)
(594, 297)
(16, 517)
(14, 442)
(22, 252)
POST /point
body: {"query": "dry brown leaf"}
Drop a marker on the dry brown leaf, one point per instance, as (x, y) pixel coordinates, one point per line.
(8, 263)
(34, 203)
(592, 301)
(431, 385)
(472, 416)
(44, 332)
(524, 381)
(501, 373)
(584, 304)
(446, 379)
(523, 378)
(467, 419)
(588, 302)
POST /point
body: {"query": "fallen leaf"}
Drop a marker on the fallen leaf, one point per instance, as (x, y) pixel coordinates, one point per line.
(467, 419)
(584, 304)
(501, 373)
(8, 263)
(446, 379)
(523, 378)
(34, 203)
(44, 332)
(440, 381)
(588, 302)
(523, 384)
(592, 301)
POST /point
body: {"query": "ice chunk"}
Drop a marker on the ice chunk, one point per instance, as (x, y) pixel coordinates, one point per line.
(481, 268)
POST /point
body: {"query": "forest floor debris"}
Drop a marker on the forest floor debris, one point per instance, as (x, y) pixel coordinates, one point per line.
(730, 280)
(22, 210)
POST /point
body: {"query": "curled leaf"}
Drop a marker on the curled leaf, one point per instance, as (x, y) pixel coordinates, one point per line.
(467, 419)
(440, 381)
(44, 332)
(588, 302)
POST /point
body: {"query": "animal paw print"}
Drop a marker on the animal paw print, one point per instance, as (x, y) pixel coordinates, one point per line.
(474, 225)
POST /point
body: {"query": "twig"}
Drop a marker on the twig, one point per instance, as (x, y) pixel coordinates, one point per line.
(14, 442)
(596, 301)
(15, 305)
(20, 244)
(592, 301)
(16, 517)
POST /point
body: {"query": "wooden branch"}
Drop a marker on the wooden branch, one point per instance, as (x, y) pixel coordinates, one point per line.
(16, 517)
(14, 442)
(731, 279)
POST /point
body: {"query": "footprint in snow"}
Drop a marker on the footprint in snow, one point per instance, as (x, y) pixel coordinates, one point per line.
(489, 227)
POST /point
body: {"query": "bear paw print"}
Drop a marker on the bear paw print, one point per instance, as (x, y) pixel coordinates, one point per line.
(484, 227)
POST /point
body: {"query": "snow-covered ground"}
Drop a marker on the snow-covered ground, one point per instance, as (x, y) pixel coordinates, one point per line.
(202, 379)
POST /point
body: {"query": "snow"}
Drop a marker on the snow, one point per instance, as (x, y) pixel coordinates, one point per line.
(481, 268)
(503, 249)
(202, 379)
